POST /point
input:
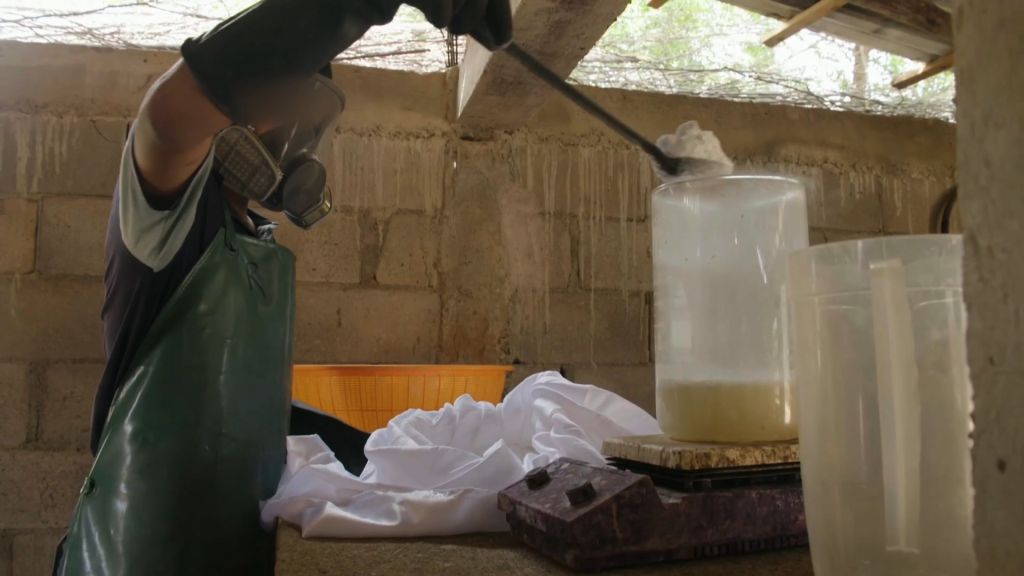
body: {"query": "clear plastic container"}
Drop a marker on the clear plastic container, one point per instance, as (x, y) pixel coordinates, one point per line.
(720, 246)
(880, 362)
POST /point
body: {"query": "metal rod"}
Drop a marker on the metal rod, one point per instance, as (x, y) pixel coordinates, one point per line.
(667, 163)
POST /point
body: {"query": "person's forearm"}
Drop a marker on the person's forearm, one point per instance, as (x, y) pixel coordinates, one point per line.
(247, 64)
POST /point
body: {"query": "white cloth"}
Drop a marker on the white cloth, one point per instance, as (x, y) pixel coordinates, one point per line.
(689, 141)
(438, 473)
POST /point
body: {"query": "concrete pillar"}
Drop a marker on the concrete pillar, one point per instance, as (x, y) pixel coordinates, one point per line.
(990, 100)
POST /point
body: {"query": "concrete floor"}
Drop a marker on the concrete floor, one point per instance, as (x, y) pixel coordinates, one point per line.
(488, 555)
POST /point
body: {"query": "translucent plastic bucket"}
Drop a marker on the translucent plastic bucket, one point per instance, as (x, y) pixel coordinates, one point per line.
(720, 247)
(879, 344)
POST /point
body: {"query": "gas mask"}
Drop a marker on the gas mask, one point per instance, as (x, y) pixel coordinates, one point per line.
(279, 169)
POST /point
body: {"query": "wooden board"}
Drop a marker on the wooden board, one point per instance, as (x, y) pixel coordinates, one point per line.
(856, 24)
(940, 64)
(673, 454)
(917, 14)
(495, 92)
(803, 20)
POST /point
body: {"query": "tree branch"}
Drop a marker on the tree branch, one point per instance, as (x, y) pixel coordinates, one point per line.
(21, 20)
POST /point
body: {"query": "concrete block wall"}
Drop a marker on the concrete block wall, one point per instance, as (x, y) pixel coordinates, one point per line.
(529, 248)
(56, 177)
(368, 276)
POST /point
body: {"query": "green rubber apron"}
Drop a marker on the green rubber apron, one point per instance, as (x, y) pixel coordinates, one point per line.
(195, 438)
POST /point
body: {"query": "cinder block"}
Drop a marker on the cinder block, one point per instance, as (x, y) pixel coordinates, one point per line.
(13, 404)
(39, 489)
(851, 200)
(328, 252)
(615, 254)
(66, 412)
(6, 554)
(60, 155)
(814, 188)
(521, 372)
(375, 326)
(472, 264)
(51, 319)
(72, 235)
(907, 203)
(78, 80)
(820, 236)
(409, 254)
(821, 184)
(580, 327)
(33, 552)
(585, 180)
(387, 171)
(538, 249)
(17, 235)
(634, 383)
(838, 197)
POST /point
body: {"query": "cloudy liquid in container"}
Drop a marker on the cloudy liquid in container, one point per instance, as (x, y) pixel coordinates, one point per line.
(720, 316)
(727, 412)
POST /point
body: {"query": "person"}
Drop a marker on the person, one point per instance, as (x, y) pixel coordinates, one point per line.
(191, 416)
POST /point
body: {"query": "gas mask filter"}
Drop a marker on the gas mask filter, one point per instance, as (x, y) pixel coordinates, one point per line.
(279, 169)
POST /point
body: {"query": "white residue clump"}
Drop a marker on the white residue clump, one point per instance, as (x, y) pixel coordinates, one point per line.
(692, 143)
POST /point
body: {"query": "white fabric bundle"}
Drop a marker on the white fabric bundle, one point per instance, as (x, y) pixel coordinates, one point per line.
(438, 473)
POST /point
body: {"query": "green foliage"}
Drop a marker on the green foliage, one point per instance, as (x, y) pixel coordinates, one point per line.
(707, 47)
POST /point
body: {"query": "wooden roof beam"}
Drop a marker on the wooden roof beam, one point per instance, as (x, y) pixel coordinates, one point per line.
(496, 92)
(920, 15)
(803, 20)
(940, 64)
(855, 23)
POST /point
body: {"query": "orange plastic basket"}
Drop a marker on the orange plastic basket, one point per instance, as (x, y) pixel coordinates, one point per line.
(368, 397)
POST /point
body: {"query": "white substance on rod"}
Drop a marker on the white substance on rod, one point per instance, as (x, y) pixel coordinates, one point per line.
(689, 141)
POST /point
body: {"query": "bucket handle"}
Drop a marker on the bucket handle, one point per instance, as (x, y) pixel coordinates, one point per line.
(899, 404)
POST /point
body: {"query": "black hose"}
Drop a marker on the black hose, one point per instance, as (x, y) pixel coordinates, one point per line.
(942, 211)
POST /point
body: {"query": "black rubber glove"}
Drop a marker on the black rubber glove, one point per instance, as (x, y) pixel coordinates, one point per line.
(249, 64)
(489, 22)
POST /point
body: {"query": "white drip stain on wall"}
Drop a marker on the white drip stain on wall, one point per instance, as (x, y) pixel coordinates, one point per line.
(604, 190)
(390, 170)
(41, 148)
